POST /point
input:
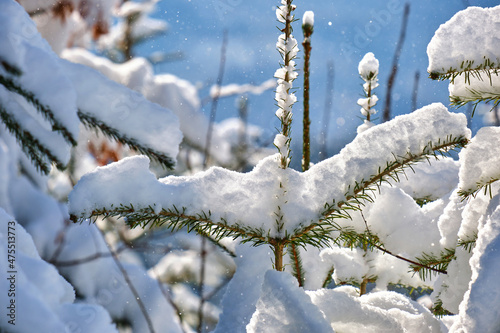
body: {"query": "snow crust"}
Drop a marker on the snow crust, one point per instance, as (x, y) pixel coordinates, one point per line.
(470, 35)
(251, 199)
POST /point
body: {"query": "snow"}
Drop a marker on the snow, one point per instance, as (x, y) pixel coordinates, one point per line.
(251, 199)
(284, 307)
(308, 18)
(471, 35)
(382, 311)
(483, 86)
(240, 299)
(128, 111)
(480, 160)
(479, 310)
(43, 298)
(368, 67)
(42, 74)
(241, 89)
(167, 90)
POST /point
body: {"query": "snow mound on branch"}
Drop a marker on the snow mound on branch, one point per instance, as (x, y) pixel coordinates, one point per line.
(251, 199)
(470, 35)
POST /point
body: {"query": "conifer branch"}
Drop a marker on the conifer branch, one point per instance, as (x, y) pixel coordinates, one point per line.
(362, 191)
(35, 150)
(175, 219)
(44, 110)
(11, 69)
(480, 186)
(92, 122)
(468, 69)
(328, 278)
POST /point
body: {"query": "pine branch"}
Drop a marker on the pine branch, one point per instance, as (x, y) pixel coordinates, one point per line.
(328, 278)
(11, 69)
(92, 122)
(468, 69)
(175, 219)
(475, 98)
(31, 146)
(430, 262)
(485, 186)
(44, 110)
(362, 191)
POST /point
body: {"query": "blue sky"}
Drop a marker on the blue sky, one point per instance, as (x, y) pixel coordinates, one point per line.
(344, 32)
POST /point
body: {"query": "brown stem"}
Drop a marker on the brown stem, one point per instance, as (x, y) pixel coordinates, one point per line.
(323, 152)
(201, 287)
(395, 64)
(215, 100)
(362, 287)
(306, 149)
(278, 246)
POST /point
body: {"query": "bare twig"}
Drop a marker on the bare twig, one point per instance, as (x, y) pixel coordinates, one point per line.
(215, 100)
(415, 91)
(395, 64)
(201, 287)
(323, 151)
(137, 297)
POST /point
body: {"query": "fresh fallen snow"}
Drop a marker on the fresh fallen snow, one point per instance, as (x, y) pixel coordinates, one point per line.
(251, 199)
(470, 35)
(244, 289)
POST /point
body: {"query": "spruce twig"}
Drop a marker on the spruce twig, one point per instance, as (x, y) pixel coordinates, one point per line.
(92, 122)
(44, 110)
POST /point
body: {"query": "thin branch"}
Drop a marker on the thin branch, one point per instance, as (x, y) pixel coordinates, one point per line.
(395, 64)
(323, 151)
(93, 122)
(415, 91)
(380, 248)
(215, 100)
(137, 297)
(201, 286)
